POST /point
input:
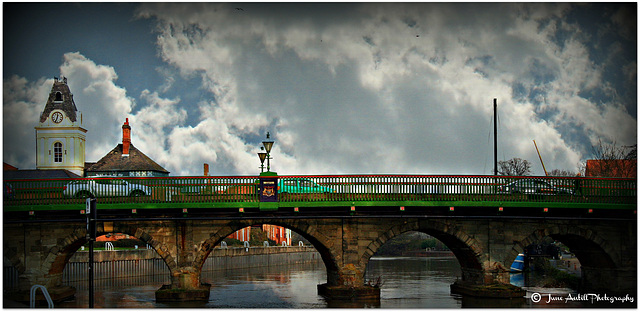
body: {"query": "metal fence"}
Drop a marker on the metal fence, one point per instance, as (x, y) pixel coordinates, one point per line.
(10, 277)
(128, 190)
(79, 271)
(325, 188)
(463, 188)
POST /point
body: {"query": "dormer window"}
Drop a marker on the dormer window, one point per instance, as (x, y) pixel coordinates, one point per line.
(58, 96)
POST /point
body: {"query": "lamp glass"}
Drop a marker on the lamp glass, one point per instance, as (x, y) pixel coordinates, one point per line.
(267, 145)
(262, 156)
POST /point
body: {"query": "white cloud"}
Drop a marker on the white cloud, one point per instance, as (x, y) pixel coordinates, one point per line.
(104, 106)
(357, 88)
(23, 101)
(103, 103)
(390, 88)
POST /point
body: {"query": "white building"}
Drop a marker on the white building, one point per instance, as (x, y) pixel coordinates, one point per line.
(60, 135)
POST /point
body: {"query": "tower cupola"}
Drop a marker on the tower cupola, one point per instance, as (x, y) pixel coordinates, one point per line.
(60, 99)
(60, 136)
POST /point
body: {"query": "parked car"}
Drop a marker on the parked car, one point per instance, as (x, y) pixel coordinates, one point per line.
(533, 186)
(299, 185)
(104, 188)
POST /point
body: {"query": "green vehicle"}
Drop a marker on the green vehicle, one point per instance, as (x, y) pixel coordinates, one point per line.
(300, 185)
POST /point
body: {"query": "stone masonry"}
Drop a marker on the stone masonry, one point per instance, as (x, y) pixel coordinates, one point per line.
(484, 247)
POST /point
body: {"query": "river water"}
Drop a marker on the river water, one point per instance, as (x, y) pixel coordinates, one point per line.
(406, 283)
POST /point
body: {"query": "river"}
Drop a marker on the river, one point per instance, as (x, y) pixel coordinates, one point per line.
(419, 282)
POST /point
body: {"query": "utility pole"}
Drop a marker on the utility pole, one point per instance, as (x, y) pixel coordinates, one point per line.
(495, 136)
(91, 213)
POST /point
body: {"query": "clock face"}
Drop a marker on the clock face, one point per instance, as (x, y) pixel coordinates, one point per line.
(57, 117)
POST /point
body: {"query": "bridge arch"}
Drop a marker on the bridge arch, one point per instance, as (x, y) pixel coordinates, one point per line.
(302, 227)
(140, 233)
(602, 264)
(59, 255)
(590, 248)
(465, 248)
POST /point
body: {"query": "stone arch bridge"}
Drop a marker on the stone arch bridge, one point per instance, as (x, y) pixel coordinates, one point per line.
(485, 247)
(485, 220)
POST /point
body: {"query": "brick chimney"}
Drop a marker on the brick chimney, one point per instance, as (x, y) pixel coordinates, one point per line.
(126, 138)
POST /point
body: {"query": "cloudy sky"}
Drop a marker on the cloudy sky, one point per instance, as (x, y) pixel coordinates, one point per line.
(342, 88)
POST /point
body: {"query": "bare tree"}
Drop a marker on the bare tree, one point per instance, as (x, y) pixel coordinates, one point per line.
(612, 160)
(514, 167)
(561, 173)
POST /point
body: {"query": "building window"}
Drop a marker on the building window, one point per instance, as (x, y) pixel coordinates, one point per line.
(58, 97)
(57, 152)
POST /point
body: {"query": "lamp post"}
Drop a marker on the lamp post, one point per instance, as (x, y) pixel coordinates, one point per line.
(263, 155)
(268, 181)
(265, 150)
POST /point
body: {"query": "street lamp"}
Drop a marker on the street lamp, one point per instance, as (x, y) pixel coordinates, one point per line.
(264, 153)
(268, 182)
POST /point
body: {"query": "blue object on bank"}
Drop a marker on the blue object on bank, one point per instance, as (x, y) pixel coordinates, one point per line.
(518, 264)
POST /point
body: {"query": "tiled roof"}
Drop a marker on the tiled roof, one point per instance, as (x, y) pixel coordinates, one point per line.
(623, 168)
(64, 102)
(8, 167)
(88, 165)
(38, 174)
(136, 161)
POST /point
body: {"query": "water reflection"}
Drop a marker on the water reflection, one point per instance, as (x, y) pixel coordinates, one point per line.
(517, 279)
(406, 283)
(290, 286)
(415, 282)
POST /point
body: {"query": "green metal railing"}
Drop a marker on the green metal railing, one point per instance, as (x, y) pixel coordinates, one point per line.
(467, 188)
(130, 190)
(317, 190)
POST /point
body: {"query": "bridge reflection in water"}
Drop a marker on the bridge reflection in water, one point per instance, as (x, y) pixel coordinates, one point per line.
(406, 283)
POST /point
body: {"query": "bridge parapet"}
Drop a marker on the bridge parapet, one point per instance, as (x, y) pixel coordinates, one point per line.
(318, 191)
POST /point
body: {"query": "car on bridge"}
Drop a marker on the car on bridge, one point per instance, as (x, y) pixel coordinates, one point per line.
(301, 185)
(104, 188)
(533, 186)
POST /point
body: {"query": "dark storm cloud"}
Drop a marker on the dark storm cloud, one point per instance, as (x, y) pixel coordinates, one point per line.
(359, 88)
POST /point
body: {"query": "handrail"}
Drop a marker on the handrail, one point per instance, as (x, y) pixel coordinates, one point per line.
(232, 190)
(32, 296)
(108, 246)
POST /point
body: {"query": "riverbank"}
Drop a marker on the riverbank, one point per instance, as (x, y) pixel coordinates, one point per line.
(557, 273)
(569, 265)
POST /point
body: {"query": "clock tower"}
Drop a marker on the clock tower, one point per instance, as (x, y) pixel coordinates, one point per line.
(60, 136)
